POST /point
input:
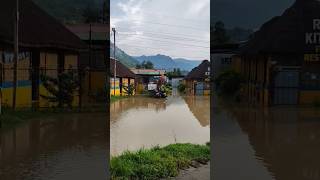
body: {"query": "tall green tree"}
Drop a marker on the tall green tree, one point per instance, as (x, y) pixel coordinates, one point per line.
(91, 13)
(220, 34)
(145, 65)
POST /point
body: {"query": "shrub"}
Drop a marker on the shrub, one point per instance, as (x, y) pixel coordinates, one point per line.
(182, 88)
(228, 83)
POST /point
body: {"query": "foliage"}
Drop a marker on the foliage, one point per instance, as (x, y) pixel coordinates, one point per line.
(167, 88)
(176, 72)
(157, 162)
(182, 88)
(316, 103)
(73, 11)
(145, 65)
(220, 34)
(61, 90)
(229, 83)
(129, 90)
(91, 14)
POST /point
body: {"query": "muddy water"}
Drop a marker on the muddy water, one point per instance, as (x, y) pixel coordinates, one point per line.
(146, 122)
(65, 147)
(278, 143)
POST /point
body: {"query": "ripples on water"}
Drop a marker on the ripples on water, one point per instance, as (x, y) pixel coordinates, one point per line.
(281, 143)
(139, 122)
(67, 147)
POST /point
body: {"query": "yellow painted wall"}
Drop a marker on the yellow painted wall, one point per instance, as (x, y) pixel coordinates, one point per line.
(117, 87)
(125, 82)
(309, 97)
(23, 98)
(132, 82)
(206, 92)
(49, 67)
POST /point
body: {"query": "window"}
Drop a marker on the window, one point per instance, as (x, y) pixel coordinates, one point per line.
(225, 60)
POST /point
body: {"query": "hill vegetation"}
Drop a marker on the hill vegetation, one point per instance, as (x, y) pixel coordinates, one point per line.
(72, 11)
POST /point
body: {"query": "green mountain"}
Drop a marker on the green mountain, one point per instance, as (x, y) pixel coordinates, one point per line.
(123, 57)
(71, 11)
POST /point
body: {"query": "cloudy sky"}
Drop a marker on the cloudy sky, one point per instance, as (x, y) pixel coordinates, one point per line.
(177, 28)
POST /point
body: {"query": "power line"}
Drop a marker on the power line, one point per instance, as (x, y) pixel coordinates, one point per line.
(183, 44)
(161, 48)
(185, 19)
(170, 25)
(169, 37)
(162, 33)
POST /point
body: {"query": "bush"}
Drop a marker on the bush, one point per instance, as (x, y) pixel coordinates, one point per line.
(158, 162)
(182, 88)
(229, 83)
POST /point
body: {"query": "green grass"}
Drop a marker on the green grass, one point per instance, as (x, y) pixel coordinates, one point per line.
(116, 98)
(157, 162)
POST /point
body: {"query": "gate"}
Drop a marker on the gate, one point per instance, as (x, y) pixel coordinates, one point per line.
(286, 87)
(199, 88)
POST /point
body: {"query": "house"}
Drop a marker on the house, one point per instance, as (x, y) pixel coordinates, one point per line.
(281, 63)
(96, 37)
(46, 47)
(124, 78)
(148, 77)
(222, 58)
(198, 80)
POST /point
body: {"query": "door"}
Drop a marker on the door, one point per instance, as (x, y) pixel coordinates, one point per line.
(199, 89)
(286, 87)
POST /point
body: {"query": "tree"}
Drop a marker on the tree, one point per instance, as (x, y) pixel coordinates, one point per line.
(91, 13)
(148, 65)
(174, 73)
(145, 65)
(220, 34)
(61, 90)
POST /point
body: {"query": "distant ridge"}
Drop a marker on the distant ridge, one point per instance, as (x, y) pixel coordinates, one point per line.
(168, 63)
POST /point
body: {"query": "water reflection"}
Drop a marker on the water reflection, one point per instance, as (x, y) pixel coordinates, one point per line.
(145, 122)
(68, 147)
(280, 143)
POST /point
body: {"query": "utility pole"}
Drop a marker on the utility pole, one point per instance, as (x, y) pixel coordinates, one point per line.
(115, 61)
(16, 54)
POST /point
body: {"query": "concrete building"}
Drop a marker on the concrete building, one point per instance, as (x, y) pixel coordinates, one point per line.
(281, 63)
(198, 80)
(46, 47)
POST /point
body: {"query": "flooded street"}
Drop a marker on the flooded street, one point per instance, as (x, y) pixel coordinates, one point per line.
(139, 122)
(71, 146)
(278, 143)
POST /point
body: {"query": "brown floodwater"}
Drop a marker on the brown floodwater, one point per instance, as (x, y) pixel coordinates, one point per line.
(281, 143)
(142, 122)
(65, 147)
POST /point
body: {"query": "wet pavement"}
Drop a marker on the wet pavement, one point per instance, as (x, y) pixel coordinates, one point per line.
(281, 143)
(66, 147)
(143, 122)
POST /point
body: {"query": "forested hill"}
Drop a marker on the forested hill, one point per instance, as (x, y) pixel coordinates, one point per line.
(71, 11)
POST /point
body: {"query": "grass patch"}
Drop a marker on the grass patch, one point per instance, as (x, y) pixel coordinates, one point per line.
(157, 162)
(116, 98)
